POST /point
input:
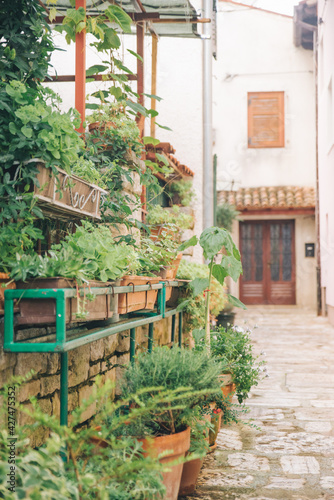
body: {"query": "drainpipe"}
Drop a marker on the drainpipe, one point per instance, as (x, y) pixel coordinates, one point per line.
(207, 117)
(317, 215)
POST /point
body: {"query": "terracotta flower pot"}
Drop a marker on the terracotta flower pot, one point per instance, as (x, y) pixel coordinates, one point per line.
(43, 311)
(227, 386)
(134, 301)
(216, 422)
(189, 476)
(4, 278)
(176, 446)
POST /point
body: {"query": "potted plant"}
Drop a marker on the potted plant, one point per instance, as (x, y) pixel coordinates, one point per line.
(181, 192)
(167, 221)
(88, 258)
(191, 373)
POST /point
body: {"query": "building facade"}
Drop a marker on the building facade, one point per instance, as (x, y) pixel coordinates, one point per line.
(264, 129)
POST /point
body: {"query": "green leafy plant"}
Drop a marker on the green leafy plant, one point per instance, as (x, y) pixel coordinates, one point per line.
(195, 307)
(155, 255)
(216, 241)
(183, 190)
(225, 215)
(118, 471)
(193, 374)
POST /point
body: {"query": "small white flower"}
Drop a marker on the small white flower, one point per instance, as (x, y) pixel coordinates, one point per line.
(239, 329)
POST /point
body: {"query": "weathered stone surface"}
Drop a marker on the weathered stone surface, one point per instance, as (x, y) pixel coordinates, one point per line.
(78, 361)
(283, 483)
(249, 462)
(124, 342)
(50, 384)
(53, 363)
(295, 464)
(96, 350)
(327, 483)
(216, 478)
(85, 393)
(229, 440)
(110, 344)
(36, 361)
(29, 389)
(94, 370)
(318, 427)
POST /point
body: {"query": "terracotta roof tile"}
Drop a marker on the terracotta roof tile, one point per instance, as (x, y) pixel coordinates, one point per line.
(272, 197)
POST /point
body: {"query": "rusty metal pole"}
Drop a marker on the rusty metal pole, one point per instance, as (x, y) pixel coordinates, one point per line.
(140, 92)
(80, 70)
(154, 79)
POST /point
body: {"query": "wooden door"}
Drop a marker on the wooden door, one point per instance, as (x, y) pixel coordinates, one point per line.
(268, 258)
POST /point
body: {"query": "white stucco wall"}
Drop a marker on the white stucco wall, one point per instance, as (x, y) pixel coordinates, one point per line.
(326, 147)
(256, 54)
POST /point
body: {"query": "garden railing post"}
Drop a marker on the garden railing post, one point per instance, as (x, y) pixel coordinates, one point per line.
(150, 337)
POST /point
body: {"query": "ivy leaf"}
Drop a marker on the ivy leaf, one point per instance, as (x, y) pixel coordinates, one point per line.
(219, 272)
(12, 128)
(198, 285)
(236, 302)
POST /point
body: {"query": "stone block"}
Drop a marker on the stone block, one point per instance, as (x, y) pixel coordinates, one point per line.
(7, 359)
(123, 342)
(97, 350)
(110, 344)
(247, 461)
(50, 384)
(109, 364)
(53, 363)
(94, 370)
(85, 393)
(36, 361)
(29, 389)
(283, 483)
(79, 365)
(297, 464)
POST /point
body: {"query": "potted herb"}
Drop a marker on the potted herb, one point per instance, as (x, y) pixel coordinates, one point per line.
(181, 192)
(191, 373)
(171, 221)
(88, 258)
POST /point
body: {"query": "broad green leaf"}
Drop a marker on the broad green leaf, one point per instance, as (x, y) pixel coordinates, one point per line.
(188, 243)
(27, 131)
(138, 108)
(198, 285)
(116, 14)
(151, 140)
(233, 266)
(198, 335)
(117, 92)
(219, 272)
(236, 302)
(212, 240)
(96, 69)
(183, 305)
(162, 158)
(152, 113)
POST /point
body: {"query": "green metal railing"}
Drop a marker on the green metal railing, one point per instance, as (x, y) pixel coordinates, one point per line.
(63, 341)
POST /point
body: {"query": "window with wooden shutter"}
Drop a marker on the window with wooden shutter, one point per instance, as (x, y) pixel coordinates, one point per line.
(266, 119)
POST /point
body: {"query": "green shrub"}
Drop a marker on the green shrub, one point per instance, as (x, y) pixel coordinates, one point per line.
(193, 374)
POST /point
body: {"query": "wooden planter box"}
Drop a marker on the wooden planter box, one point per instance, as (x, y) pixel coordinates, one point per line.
(4, 278)
(67, 194)
(168, 273)
(134, 301)
(43, 311)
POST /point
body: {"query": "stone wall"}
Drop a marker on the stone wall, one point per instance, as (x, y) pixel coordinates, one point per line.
(103, 357)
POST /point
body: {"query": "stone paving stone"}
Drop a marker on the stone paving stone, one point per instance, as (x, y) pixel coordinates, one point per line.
(318, 427)
(296, 464)
(229, 440)
(327, 483)
(247, 461)
(291, 456)
(283, 483)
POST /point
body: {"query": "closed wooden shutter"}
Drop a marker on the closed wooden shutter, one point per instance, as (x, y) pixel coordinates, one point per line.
(266, 119)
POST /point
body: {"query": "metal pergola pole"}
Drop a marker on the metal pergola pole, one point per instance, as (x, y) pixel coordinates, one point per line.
(80, 69)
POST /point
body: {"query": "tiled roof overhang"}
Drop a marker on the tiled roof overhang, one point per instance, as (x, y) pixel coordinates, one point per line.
(270, 198)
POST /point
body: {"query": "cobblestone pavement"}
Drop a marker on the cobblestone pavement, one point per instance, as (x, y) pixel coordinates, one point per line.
(292, 455)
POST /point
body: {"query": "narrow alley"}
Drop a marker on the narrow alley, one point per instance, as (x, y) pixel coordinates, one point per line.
(292, 455)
